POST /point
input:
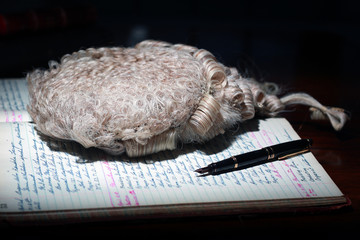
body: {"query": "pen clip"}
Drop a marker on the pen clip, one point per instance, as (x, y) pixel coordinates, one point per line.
(294, 154)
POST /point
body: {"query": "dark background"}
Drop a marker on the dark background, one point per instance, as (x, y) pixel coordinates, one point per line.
(271, 40)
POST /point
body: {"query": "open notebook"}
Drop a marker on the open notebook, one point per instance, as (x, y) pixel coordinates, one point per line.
(47, 180)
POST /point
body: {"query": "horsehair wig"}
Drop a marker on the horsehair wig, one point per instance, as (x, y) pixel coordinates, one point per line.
(145, 99)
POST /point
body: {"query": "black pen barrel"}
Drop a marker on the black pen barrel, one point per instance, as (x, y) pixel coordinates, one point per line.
(268, 154)
(262, 156)
(252, 159)
(223, 165)
(241, 161)
(288, 149)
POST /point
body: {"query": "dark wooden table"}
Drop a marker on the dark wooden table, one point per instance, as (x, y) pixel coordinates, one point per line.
(338, 152)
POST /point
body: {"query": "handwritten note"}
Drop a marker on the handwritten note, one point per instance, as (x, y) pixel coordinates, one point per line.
(14, 98)
(38, 175)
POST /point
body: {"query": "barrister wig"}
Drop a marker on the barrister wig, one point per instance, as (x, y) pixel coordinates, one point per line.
(146, 99)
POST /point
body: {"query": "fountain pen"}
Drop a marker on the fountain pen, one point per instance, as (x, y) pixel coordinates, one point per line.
(250, 159)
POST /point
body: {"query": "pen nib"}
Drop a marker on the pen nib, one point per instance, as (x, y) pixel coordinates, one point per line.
(202, 170)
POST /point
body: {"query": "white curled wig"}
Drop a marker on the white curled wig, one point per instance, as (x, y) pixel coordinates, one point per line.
(146, 99)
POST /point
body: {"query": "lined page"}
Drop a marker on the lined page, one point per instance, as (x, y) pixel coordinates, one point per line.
(14, 98)
(42, 175)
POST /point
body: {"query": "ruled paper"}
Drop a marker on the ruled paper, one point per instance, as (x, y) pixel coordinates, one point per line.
(42, 174)
(14, 98)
